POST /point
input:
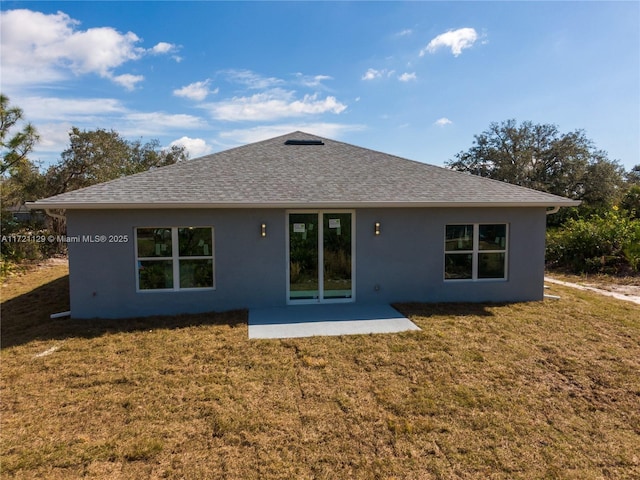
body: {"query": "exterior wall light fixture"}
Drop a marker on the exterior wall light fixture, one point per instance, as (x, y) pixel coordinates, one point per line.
(263, 230)
(377, 228)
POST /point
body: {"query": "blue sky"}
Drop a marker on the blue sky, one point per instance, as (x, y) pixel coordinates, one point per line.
(415, 79)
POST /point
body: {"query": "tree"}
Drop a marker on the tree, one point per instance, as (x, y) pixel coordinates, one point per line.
(15, 147)
(20, 178)
(631, 201)
(25, 183)
(603, 182)
(540, 157)
(633, 175)
(97, 156)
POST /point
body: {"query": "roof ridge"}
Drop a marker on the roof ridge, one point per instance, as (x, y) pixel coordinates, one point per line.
(258, 142)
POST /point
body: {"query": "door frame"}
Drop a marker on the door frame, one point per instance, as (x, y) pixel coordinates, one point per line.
(321, 300)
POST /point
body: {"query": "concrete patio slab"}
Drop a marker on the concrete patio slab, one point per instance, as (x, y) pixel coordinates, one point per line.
(295, 321)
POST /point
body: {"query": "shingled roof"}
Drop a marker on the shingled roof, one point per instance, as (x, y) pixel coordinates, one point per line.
(300, 170)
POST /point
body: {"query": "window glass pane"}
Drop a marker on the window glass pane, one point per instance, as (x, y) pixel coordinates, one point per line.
(458, 265)
(303, 256)
(155, 274)
(459, 237)
(154, 242)
(196, 274)
(337, 255)
(195, 242)
(491, 265)
(492, 237)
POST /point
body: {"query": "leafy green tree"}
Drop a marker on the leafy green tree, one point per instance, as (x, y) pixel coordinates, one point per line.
(19, 176)
(25, 183)
(603, 182)
(631, 201)
(19, 179)
(100, 155)
(540, 157)
(15, 146)
(633, 176)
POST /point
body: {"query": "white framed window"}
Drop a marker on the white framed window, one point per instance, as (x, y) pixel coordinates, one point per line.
(174, 258)
(476, 251)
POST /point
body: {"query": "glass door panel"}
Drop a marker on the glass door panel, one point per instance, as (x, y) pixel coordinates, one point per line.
(303, 256)
(336, 252)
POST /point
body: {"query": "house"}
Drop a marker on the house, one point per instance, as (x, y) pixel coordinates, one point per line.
(21, 214)
(300, 219)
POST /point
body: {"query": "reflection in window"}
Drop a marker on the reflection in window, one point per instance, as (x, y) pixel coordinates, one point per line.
(195, 241)
(155, 274)
(196, 273)
(154, 242)
(459, 237)
(458, 265)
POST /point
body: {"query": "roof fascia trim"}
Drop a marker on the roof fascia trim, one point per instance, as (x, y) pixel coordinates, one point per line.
(193, 205)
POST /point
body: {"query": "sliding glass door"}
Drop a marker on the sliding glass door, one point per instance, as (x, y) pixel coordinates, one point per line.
(321, 257)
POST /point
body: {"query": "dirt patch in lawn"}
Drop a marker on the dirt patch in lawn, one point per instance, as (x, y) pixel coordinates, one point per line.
(628, 286)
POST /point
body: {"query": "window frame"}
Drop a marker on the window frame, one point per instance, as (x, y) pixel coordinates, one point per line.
(175, 259)
(475, 253)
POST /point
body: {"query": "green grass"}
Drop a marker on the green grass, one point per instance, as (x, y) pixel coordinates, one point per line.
(534, 390)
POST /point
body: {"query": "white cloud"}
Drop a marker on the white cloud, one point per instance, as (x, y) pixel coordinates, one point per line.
(195, 91)
(456, 40)
(196, 147)
(312, 81)
(54, 139)
(407, 77)
(404, 33)
(28, 35)
(255, 134)
(441, 122)
(127, 80)
(40, 48)
(38, 109)
(159, 122)
(163, 47)
(54, 117)
(102, 110)
(97, 50)
(272, 105)
(252, 80)
(372, 74)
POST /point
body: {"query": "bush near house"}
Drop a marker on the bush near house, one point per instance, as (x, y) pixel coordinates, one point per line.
(607, 243)
(22, 244)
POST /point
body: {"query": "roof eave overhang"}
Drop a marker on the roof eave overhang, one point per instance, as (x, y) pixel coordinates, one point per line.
(314, 204)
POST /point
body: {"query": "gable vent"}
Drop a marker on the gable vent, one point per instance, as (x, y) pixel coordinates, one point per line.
(304, 142)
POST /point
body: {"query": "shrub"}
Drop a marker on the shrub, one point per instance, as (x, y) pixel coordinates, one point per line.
(21, 244)
(608, 243)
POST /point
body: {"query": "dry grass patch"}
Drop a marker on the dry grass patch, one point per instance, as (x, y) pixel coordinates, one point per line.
(535, 390)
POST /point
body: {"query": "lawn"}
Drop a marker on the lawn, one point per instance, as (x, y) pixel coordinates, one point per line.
(535, 390)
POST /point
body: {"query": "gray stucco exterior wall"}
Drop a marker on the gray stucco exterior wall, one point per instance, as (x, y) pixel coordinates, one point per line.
(404, 263)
